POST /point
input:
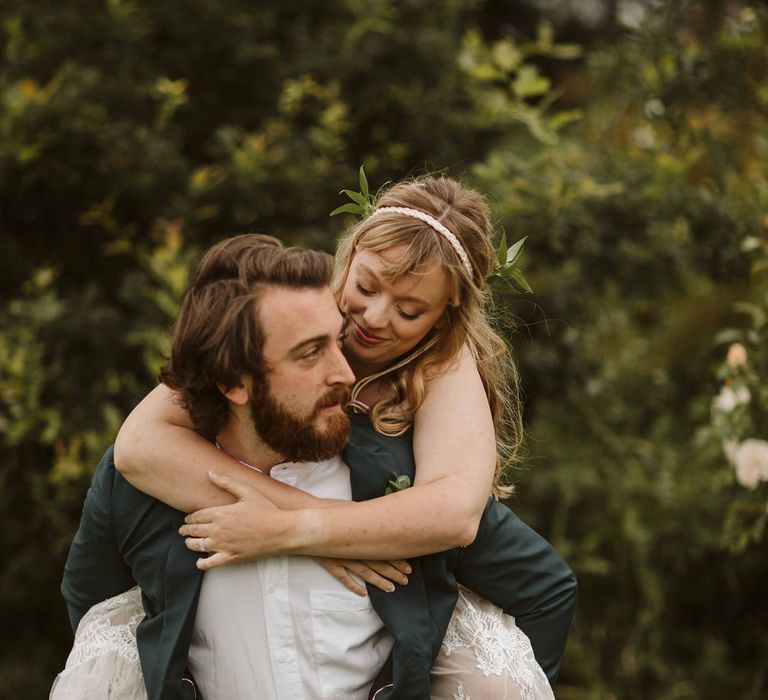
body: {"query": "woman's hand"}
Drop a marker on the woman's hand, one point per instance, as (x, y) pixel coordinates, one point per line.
(250, 528)
(381, 574)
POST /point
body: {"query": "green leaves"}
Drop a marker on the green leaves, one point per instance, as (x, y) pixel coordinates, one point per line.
(507, 277)
(508, 87)
(361, 204)
(529, 83)
(398, 483)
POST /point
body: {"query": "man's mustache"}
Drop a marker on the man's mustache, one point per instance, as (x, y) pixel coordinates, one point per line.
(340, 395)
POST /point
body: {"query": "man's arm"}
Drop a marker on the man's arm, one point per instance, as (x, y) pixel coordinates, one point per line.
(517, 569)
(94, 570)
(126, 537)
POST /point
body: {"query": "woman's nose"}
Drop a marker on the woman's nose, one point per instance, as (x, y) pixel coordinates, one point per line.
(375, 315)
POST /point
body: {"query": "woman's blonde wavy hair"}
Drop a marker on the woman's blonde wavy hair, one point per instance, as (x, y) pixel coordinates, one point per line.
(467, 318)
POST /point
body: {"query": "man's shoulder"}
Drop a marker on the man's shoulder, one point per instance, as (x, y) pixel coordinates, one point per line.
(107, 474)
(109, 483)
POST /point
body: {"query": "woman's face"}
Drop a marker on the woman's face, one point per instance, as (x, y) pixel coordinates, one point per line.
(387, 319)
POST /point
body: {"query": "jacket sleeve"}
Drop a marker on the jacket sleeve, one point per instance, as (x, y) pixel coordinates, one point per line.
(94, 570)
(517, 569)
(127, 538)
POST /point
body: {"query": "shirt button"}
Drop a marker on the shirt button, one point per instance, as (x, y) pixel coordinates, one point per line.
(283, 657)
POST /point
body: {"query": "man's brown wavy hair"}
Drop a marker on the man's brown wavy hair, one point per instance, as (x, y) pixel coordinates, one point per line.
(218, 337)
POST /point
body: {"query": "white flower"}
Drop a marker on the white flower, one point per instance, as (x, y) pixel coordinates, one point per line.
(730, 448)
(751, 460)
(737, 355)
(729, 398)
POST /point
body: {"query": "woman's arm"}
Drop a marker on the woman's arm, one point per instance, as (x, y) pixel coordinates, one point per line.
(454, 441)
(159, 453)
(455, 454)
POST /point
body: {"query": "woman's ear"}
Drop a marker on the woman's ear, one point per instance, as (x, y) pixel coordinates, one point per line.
(240, 394)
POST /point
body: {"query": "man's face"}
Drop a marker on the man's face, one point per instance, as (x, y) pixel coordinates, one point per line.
(300, 412)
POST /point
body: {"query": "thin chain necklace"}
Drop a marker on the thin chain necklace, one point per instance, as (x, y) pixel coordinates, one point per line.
(245, 464)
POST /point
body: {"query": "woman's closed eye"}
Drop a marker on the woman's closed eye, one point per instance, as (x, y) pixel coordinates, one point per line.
(406, 315)
(363, 289)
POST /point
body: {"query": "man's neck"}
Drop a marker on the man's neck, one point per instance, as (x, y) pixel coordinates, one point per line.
(239, 440)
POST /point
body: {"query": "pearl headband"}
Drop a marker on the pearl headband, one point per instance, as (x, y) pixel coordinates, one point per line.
(434, 224)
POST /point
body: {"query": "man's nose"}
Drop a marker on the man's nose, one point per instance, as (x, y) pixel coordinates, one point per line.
(340, 371)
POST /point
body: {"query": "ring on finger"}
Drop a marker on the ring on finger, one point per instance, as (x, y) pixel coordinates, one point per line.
(203, 548)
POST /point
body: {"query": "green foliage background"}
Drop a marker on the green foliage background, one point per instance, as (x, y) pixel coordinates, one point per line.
(134, 133)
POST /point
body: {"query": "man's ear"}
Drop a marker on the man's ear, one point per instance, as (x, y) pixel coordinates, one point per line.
(240, 394)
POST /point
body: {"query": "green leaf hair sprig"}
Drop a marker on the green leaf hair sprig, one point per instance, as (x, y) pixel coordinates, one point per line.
(507, 276)
(362, 202)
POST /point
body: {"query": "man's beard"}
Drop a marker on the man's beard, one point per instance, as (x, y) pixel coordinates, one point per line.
(295, 437)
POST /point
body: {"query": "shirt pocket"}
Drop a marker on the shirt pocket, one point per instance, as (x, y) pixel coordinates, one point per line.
(351, 643)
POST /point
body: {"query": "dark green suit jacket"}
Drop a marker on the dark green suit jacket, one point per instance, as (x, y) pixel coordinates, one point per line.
(127, 538)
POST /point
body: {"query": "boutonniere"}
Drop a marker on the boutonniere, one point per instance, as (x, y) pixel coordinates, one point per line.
(398, 483)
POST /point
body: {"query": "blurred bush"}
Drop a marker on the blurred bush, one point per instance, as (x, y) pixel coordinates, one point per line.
(133, 134)
(637, 217)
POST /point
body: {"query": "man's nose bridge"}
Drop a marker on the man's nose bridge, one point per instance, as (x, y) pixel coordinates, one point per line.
(340, 371)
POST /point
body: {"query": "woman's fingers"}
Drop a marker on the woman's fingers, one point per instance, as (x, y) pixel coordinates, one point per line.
(393, 571)
(195, 530)
(381, 574)
(366, 573)
(238, 489)
(200, 544)
(337, 569)
(217, 559)
(400, 564)
(206, 546)
(206, 515)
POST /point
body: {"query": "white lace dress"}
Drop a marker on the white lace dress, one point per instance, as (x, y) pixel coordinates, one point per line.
(484, 656)
(104, 661)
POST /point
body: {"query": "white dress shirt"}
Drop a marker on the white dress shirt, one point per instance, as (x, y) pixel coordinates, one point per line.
(283, 628)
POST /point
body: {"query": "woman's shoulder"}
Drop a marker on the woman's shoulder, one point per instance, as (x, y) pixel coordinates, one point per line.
(463, 363)
(450, 379)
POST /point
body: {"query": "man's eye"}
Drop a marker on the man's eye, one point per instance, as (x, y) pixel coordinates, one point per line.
(311, 355)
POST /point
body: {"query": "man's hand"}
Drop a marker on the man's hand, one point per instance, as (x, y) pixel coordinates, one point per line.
(381, 574)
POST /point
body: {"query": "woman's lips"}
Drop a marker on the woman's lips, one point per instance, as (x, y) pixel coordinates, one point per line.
(365, 338)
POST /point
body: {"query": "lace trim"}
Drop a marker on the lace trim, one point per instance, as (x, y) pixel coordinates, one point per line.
(459, 694)
(498, 648)
(102, 632)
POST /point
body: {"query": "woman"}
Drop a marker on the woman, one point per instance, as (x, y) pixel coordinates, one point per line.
(425, 355)
(410, 279)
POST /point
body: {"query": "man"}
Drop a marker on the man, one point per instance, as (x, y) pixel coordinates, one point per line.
(256, 362)
(256, 315)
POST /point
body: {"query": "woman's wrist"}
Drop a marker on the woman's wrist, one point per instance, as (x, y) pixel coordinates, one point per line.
(303, 531)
